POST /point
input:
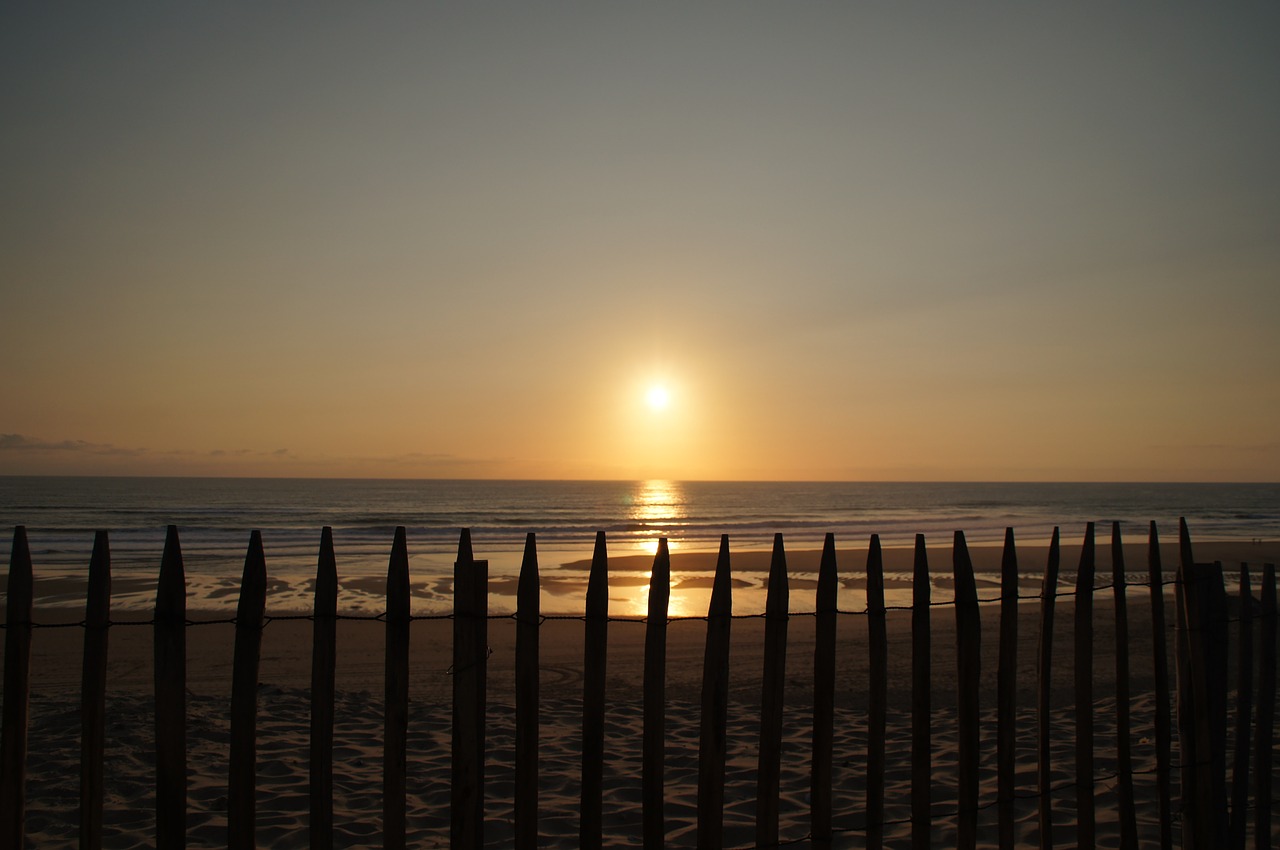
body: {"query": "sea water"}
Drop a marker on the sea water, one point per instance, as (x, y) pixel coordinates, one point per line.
(215, 516)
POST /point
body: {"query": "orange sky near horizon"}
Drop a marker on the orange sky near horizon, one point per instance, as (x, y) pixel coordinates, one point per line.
(865, 242)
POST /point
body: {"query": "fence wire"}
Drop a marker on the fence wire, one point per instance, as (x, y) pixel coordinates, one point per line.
(382, 616)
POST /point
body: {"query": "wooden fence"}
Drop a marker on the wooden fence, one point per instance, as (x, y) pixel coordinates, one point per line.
(1212, 811)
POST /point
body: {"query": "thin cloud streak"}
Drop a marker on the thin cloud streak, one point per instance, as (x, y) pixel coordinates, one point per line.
(17, 448)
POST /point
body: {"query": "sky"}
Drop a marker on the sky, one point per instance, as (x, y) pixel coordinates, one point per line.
(852, 241)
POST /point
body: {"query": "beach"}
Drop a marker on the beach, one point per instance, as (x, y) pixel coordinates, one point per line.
(396, 300)
(284, 712)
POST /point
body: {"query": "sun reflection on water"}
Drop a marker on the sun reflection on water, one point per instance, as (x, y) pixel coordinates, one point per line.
(656, 509)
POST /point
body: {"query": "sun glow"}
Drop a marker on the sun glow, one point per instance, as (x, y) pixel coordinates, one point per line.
(658, 397)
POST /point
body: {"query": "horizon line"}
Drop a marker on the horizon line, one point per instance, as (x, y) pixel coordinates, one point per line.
(164, 476)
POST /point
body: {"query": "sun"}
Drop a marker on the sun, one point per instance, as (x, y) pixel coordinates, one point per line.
(658, 397)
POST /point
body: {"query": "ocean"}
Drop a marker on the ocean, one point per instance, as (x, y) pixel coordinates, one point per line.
(215, 516)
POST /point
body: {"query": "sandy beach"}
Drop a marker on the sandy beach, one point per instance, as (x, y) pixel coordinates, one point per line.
(401, 288)
(284, 707)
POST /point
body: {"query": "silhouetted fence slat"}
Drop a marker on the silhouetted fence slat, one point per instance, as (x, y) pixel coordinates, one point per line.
(1124, 756)
(713, 741)
(1244, 707)
(1185, 702)
(470, 648)
(921, 700)
(968, 682)
(768, 774)
(170, 639)
(242, 776)
(1214, 598)
(396, 696)
(20, 591)
(1044, 693)
(1204, 600)
(1086, 831)
(595, 655)
(653, 732)
(877, 695)
(1007, 692)
(324, 653)
(528, 620)
(93, 692)
(1263, 746)
(1160, 665)
(824, 688)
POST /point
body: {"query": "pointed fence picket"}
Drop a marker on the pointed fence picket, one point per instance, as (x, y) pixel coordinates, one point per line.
(1160, 670)
(595, 657)
(1044, 698)
(653, 743)
(242, 779)
(17, 692)
(93, 693)
(470, 654)
(772, 688)
(877, 695)
(1085, 825)
(170, 645)
(713, 740)
(528, 619)
(1217, 817)
(921, 700)
(824, 697)
(1265, 745)
(395, 729)
(1124, 756)
(324, 653)
(1006, 693)
(968, 673)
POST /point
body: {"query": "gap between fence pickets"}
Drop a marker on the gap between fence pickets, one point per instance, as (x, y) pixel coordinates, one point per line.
(1214, 812)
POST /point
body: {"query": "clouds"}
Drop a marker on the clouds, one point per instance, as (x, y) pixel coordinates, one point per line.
(26, 455)
(19, 443)
(22, 444)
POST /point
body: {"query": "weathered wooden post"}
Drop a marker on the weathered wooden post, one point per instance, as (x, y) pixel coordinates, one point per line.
(396, 696)
(1007, 692)
(653, 734)
(1044, 693)
(1204, 601)
(968, 680)
(470, 650)
(170, 644)
(93, 693)
(591, 827)
(824, 687)
(713, 742)
(242, 775)
(1244, 707)
(921, 701)
(17, 692)
(324, 652)
(1160, 662)
(1263, 747)
(1085, 819)
(528, 622)
(878, 696)
(1124, 757)
(768, 776)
